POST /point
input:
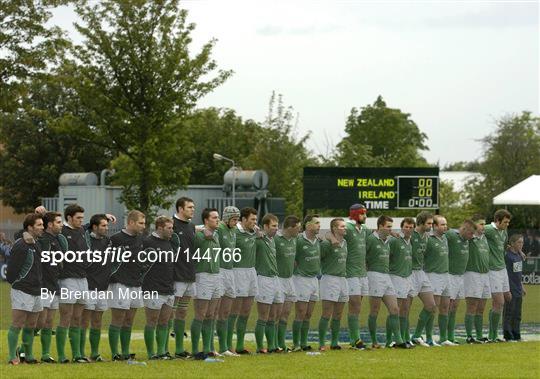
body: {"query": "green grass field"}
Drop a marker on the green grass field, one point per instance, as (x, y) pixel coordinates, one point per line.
(473, 361)
(491, 360)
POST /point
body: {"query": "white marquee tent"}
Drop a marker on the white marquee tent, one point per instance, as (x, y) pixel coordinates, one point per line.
(526, 192)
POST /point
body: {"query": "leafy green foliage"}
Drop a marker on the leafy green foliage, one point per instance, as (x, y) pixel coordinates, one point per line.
(28, 46)
(36, 150)
(512, 154)
(135, 76)
(379, 136)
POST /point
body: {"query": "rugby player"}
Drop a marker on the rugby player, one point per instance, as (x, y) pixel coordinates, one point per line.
(51, 240)
(285, 256)
(98, 275)
(458, 256)
(72, 280)
(421, 285)
(270, 295)
(306, 284)
(207, 282)
(126, 277)
(497, 237)
(159, 278)
(184, 270)
(24, 275)
(476, 282)
(227, 240)
(380, 284)
(245, 276)
(400, 268)
(333, 284)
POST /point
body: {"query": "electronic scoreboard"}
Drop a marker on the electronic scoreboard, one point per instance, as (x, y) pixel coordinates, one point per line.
(376, 188)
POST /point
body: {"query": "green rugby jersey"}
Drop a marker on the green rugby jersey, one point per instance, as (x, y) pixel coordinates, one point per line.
(400, 257)
(245, 241)
(436, 255)
(208, 250)
(378, 253)
(458, 252)
(478, 255)
(265, 261)
(227, 240)
(497, 241)
(418, 243)
(334, 258)
(356, 250)
(285, 254)
(308, 256)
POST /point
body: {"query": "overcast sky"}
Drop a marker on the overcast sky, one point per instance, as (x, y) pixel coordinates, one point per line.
(454, 66)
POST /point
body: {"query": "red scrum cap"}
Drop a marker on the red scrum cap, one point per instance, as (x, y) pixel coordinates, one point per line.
(356, 210)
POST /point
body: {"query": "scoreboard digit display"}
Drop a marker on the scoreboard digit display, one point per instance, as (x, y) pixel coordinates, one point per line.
(417, 192)
(376, 188)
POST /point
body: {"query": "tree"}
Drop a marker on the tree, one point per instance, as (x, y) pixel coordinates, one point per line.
(136, 78)
(511, 154)
(36, 151)
(217, 131)
(29, 47)
(282, 154)
(453, 205)
(379, 136)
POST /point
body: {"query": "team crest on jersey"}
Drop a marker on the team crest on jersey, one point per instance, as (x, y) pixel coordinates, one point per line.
(305, 247)
(281, 244)
(378, 246)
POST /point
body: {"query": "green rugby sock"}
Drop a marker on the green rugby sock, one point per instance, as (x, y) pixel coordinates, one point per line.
(443, 327)
(270, 332)
(451, 326)
(335, 326)
(46, 338)
(304, 332)
(179, 328)
(125, 339)
(495, 317)
(469, 321)
(429, 327)
(114, 337)
(354, 329)
(403, 328)
(282, 330)
(162, 334)
(231, 323)
(388, 331)
(372, 326)
(240, 332)
(95, 337)
(296, 331)
(260, 327)
(221, 328)
(13, 339)
(206, 335)
(149, 336)
(323, 328)
(75, 341)
(394, 324)
(196, 327)
(423, 319)
(478, 324)
(28, 342)
(83, 342)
